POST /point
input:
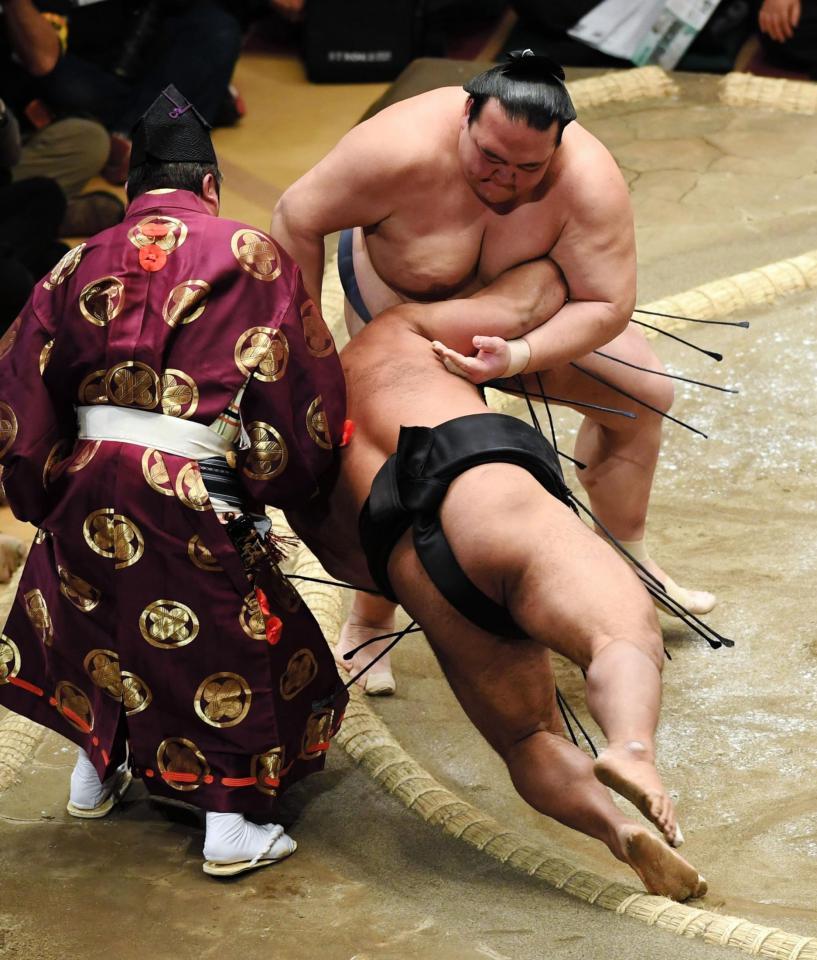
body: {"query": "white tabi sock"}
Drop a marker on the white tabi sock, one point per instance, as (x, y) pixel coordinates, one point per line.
(230, 838)
(696, 601)
(87, 790)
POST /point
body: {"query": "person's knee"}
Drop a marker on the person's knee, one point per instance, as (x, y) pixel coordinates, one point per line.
(647, 384)
(70, 151)
(644, 637)
(657, 391)
(93, 144)
(663, 393)
(515, 743)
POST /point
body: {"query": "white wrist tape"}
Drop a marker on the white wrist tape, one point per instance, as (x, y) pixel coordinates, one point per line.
(520, 357)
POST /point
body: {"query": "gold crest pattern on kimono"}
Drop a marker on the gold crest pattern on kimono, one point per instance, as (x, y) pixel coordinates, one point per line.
(37, 610)
(101, 301)
(186, 302)
(134, 603)
(181, 764)
(257, 254)
(9, 659)
(114, 537)
(223, 699)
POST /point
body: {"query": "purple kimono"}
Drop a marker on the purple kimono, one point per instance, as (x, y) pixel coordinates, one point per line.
(136, 619)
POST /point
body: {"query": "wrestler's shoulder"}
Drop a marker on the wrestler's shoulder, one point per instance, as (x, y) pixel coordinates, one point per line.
(588, 175)
(585, 158)
(432, 102)
(416, 119)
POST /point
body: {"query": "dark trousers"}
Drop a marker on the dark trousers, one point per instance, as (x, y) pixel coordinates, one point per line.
(196, 50)
(30, 214)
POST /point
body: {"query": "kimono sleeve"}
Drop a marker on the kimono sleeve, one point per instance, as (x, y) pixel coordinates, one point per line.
(294, 418)
(33, 435)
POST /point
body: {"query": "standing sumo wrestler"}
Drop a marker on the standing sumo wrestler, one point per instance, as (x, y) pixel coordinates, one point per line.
(163, 383)
(495, 206)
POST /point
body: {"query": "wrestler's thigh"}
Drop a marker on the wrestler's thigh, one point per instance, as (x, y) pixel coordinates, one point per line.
(506, 687)
(562, 583)
(570, 383)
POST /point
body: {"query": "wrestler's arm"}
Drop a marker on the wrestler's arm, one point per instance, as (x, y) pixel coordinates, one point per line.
(352, 186)
(596, 254)
(513, 305)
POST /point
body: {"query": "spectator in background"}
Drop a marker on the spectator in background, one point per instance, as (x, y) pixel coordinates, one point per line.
(30, 214)
(789, 30)
(289, 9)
(110, 59)
(12, 550)
(543, 24)
(67, 149)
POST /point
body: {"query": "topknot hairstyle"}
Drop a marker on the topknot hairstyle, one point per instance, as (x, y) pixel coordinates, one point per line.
(529, 87)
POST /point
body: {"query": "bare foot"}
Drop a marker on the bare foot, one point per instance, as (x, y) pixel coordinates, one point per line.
(379, 680)
(698, 602)
(12, 554)
(662, 871)
(630, 771)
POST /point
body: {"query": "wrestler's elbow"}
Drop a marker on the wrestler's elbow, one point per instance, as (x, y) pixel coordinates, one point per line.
(288, 221)
(619, 315)
(282, 224)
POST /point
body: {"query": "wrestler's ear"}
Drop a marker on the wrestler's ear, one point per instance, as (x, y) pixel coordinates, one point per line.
(466, 113)
(210, 194)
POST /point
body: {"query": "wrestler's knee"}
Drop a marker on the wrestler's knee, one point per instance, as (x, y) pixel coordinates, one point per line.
(657, 390)
(517, 742)
(646, 640)
(662, 393)
(654, 392)
(643, 378)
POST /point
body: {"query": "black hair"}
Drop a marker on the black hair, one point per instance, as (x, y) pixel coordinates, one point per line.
(171, 175)
(529, 88)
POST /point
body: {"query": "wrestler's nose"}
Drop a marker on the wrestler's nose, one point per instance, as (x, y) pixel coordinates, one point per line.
(504, 177)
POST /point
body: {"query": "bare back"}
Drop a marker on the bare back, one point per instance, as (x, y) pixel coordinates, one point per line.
(393, 380)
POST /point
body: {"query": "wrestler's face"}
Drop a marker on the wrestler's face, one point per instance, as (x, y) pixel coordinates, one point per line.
(504, 160)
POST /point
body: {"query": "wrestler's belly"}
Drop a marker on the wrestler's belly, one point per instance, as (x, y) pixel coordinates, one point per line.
(385, 286)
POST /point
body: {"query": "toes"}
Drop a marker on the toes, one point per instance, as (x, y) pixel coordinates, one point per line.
(657, 808)
(662, 813)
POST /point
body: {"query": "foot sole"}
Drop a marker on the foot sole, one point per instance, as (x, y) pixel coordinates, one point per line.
(662, 871)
